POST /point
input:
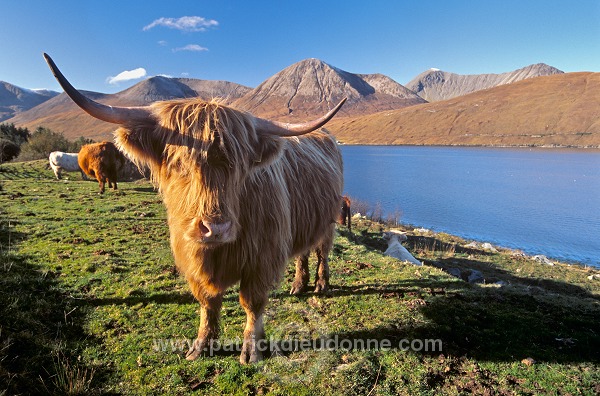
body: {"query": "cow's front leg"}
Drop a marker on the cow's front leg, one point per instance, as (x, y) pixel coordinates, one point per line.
(208, 332)
(302, 275)
(253, 299)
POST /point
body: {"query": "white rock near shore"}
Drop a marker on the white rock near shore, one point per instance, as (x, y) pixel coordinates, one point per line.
(395, 248)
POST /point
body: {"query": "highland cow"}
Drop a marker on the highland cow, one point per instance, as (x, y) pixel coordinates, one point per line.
(243, 195)
(68, 162)
(101, 161)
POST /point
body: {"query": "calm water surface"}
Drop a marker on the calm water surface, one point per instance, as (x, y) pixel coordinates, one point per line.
(542, 201)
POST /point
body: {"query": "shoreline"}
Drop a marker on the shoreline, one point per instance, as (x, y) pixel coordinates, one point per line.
(550, 147)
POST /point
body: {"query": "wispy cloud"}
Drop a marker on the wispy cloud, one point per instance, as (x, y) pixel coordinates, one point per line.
(127, 75)
(186, 23)
(191, 47)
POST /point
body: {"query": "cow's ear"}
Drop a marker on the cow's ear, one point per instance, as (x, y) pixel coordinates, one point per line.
(269, 149)
(140, 145)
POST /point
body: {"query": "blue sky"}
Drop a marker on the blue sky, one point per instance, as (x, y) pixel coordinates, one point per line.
(109, 46)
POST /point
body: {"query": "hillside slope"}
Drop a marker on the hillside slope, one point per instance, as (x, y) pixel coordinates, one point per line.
(557, 110)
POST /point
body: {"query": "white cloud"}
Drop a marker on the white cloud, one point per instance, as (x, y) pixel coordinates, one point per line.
(190, 47)
(162, 43)
(127, 75)
(186, 23)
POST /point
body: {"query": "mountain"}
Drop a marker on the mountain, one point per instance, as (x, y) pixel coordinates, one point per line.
(557, 110)
(165, 88)
(434, 85)
(298, 93)
(14, 100)
(312, 87)
(62, 115)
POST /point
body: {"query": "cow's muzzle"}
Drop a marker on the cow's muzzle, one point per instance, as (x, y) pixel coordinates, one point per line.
(214, 230)
(211, 232)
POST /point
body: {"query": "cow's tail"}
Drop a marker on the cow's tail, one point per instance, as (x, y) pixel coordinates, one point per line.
(51, 162)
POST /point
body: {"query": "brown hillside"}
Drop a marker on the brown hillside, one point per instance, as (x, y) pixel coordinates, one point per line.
(557, 110)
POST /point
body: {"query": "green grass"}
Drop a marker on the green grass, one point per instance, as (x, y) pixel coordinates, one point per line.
(90, 303)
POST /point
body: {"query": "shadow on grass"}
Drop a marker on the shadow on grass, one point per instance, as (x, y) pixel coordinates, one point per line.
(27, 170)
(497, 326)
(545, 319)
(160, 298)
(39, 328)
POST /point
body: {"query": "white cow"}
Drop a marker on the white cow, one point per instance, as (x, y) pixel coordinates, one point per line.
(60, 161)
(395, 248)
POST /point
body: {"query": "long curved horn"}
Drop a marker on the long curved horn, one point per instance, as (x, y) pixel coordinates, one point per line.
(114, 115)
(284, 129)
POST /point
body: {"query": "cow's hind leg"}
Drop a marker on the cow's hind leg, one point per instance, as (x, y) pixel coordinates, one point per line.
(322, 275)
(302, 276)
(208, 331)
(253, 299)
(101, 183)
(112, 177)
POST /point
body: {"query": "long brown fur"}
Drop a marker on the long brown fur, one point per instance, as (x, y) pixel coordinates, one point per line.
(280, 195)
(101, 161)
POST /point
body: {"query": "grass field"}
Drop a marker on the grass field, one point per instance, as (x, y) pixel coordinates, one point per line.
(90, 303)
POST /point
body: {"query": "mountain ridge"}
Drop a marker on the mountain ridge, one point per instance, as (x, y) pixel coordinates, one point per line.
(435, 85)
(521, 113)
(15, 99)
(312, 87)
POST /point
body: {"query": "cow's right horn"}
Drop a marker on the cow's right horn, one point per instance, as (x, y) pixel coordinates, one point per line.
(284, 129)
(112, 114)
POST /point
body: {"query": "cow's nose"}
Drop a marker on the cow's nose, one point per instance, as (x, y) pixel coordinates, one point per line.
(214, 230)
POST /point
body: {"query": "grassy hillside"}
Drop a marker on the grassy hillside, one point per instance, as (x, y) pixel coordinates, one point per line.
(90, 303)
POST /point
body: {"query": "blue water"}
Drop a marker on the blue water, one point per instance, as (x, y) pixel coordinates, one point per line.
(542, 201)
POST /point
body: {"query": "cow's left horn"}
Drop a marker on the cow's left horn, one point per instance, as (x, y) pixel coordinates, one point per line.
(112, 114)
(285, 129)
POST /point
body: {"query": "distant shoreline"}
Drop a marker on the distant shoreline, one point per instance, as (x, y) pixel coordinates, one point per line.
(591, 148)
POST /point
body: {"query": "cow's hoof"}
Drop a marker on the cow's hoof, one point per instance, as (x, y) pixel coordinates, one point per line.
(195, 350)
(192, 354)
(298, 288)
(250, 354)
(321, 287)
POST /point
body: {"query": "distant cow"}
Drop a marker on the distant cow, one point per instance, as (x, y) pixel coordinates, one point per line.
(60, 161)
(101, 161)
(243, 195)
(345, 215)
(8, 150)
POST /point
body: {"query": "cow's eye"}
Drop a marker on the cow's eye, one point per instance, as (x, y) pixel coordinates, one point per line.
(216, 157)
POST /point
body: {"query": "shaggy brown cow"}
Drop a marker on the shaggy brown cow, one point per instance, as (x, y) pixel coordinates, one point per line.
(101, 161)
(345, 215)
(243, 195)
